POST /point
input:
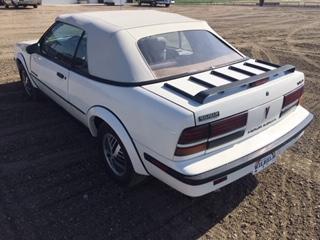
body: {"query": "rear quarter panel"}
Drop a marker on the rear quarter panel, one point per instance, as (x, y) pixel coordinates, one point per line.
(151, 121)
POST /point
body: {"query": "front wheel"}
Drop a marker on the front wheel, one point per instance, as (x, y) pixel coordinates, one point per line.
(115, 156)
(31, 91)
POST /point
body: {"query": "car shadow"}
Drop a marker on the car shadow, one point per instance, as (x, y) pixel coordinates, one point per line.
(53, 185)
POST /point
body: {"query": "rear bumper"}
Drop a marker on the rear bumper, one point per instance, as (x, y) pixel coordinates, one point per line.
(208, 181)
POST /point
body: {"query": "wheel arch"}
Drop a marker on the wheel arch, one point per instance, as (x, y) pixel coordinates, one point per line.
(99, 114)
(20, 60)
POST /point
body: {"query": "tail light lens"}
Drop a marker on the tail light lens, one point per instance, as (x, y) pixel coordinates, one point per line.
(194, 134)
(184, 151)
(200, 138)
(259, 82)
(228, 124)
(291, 99)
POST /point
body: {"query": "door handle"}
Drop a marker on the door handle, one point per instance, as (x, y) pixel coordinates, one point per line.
(60, 75)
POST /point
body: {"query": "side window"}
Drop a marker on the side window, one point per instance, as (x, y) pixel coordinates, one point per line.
(80, 61)
(60, 42)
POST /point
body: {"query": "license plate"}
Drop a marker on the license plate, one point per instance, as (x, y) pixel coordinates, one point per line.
(264, 162)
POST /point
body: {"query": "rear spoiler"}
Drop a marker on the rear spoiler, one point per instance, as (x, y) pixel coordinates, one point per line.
(235, 85)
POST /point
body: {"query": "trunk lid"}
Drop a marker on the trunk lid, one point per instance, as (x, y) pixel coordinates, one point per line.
(225, 91)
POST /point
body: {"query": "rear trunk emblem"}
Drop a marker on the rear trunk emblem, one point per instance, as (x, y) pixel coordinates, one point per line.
(209, 116)
(266, 112)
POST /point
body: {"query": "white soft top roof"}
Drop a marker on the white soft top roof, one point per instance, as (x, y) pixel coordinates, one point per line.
(112, 38)
(124, 19)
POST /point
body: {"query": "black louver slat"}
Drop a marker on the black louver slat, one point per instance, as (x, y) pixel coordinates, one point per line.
(256, 67)
(224, 76)
(268, 64)
(178, 90)
(239, 70)
(201, 82)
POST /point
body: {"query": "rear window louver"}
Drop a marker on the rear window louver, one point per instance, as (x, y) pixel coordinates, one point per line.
(215, 92)
(240, 70)
(224, 76)
(201, 82)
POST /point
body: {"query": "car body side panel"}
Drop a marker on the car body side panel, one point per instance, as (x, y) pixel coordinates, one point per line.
(148, 118)
(141, 113)
(47, 72)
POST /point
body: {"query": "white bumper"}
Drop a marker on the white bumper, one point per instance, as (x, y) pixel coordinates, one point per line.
(199, 176)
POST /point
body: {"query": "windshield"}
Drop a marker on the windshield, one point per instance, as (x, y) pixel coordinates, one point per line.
(180, 52)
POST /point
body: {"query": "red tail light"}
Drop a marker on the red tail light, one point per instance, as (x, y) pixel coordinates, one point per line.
(191, 150)
(228, 124)
(197, 139)
(260, 82)
(291, 99)
(194, 134)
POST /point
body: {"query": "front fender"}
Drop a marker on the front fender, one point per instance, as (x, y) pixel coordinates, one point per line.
(21, 58)
(114, 122)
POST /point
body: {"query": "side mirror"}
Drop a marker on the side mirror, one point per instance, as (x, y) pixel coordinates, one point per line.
(33, 48)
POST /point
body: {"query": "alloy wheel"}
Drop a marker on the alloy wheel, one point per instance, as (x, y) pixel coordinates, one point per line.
(114, 154)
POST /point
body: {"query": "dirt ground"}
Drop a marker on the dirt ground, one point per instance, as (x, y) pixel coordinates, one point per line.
(52, 186)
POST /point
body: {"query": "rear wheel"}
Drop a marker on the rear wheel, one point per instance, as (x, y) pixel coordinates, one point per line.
(116, 158)
(167, 5)
(35, 6)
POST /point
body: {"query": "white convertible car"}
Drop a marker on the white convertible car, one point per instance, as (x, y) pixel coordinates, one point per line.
(167, 97)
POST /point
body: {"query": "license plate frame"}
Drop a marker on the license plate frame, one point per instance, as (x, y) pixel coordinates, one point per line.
(264, 162)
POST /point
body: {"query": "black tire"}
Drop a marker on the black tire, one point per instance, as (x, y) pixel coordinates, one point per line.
(6, 6)
(14, 4)
(30, 90)
(119, 166)
(35, 6)
(167, 5)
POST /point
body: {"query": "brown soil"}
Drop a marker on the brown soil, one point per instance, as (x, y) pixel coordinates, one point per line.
(53, 187)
